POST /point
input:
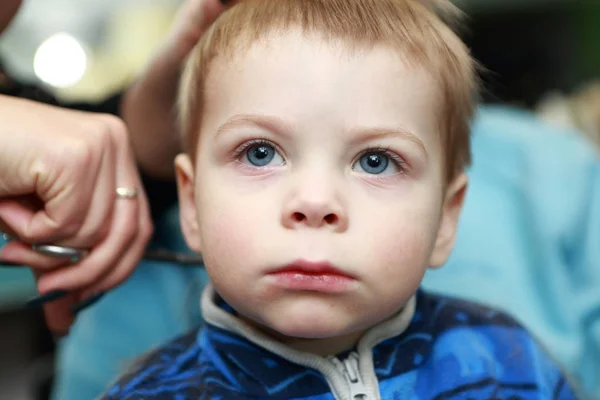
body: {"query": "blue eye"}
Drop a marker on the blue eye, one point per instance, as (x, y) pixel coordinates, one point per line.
(376, 163)
(262, 154)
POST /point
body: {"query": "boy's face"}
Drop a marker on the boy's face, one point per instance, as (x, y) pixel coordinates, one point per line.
(325, 162)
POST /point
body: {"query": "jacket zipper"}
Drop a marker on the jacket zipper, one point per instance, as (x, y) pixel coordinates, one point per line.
(351, 371)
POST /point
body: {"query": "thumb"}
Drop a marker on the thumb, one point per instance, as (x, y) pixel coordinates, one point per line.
(16, 214)
(26, 218)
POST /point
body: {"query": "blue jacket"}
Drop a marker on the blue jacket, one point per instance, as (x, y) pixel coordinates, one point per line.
(435, 348)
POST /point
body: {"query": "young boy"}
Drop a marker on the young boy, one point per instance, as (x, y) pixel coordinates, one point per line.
(325, 147)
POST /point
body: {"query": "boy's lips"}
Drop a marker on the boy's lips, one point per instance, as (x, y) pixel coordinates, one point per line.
(319, 276)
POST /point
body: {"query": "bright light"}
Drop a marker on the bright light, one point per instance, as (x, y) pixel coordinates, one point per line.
(60, 61)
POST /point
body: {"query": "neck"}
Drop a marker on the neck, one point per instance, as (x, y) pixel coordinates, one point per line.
(321, 346)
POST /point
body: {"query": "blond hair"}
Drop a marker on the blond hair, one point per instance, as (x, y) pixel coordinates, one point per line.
(417, 29)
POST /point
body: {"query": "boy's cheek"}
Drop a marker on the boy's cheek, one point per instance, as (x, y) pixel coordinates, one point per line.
(396, 250)
(401, 258)
(230, 234)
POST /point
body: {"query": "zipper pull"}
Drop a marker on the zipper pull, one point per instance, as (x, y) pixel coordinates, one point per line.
(358, 390)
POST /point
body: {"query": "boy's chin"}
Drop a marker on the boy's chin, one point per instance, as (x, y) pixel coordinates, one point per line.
(304, 318)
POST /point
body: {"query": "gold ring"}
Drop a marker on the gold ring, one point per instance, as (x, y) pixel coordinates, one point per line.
(127, 193)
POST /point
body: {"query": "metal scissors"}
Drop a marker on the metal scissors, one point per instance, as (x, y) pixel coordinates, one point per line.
(74, 255)
(151, 254)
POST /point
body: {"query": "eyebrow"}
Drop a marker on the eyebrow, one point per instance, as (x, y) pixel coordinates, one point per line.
(279, 126)
(270, 123)
(368, 134)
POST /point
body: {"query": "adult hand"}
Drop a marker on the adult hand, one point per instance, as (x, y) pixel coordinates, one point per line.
(148, 106)
(8, 9)
(59, 170)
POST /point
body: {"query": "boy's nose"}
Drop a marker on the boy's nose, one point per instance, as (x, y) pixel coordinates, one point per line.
(315, 210)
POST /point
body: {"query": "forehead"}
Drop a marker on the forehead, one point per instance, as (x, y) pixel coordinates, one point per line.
(324, 84)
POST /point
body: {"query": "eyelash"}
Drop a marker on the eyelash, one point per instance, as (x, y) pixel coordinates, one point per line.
(395, 158)
(239, 151)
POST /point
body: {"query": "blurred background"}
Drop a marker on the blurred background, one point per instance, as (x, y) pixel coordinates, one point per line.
(543, 55)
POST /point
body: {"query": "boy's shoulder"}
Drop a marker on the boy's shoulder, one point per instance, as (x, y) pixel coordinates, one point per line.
(450, 323)
(461, 340)
(439, 313)
(171, 366)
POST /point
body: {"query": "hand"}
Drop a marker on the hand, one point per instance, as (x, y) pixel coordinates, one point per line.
(59, 170)
(8, 9)
(148, 106)
(191, 21)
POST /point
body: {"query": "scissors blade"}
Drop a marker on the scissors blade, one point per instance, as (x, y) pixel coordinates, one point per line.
(188, 259)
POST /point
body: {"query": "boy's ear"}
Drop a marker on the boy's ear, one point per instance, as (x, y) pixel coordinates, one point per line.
(453, 202)
(188, 215)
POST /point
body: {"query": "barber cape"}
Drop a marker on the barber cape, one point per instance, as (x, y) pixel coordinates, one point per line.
(435, 348)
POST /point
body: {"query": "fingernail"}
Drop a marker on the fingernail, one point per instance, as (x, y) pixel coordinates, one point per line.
(77, 308)
(9, 264)
(39, 301)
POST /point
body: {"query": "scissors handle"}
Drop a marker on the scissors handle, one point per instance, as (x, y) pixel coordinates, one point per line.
(149, 254)
(52, 250)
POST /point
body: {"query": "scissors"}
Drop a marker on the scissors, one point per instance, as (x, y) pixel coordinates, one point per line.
(191, 260)
(74, 255)
(150, 254)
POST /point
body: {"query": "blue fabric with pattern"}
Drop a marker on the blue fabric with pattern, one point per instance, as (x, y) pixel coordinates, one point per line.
(453, 349)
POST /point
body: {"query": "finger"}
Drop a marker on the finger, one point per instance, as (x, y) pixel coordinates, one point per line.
(131, 258)
(67, 202)
(102, 258)
(15, 212)
(135, 251)
(59, 317)
(124, 228)
(21, 253)
(5, 229)
(67, 179)
(12, 216)
(57, 313)
(63, 202)
(194, 18)
(98, 219)
(211, 10)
